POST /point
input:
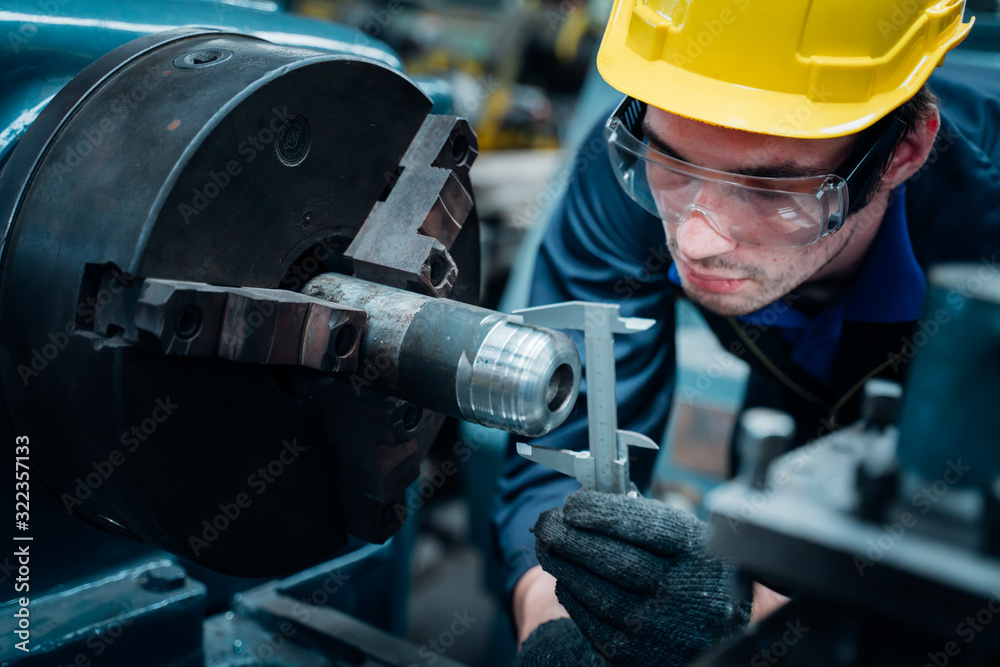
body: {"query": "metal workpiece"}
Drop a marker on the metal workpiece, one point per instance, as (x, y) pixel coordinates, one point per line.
(457, 359)
(604, 466)
(523, 379)
(764, 435)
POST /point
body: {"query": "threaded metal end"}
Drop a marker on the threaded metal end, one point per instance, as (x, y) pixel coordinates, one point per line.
(523, 379)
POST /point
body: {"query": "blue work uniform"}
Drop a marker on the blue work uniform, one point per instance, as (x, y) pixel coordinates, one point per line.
(603, 247)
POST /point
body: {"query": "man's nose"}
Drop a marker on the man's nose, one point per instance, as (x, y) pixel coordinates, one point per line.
(697, 239)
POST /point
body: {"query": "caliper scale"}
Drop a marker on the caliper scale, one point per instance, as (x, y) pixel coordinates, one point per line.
(604, 466)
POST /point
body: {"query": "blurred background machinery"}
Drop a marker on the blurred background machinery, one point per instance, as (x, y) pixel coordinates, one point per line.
(887, 530)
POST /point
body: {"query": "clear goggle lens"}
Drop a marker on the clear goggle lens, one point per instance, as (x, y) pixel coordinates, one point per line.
(773, 212)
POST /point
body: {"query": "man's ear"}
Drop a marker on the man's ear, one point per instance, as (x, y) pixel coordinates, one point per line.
(912, 152)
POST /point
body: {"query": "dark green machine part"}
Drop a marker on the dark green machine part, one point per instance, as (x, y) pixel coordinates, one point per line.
(952, 399)
(208, 156)
(45, 43)
(98, 128)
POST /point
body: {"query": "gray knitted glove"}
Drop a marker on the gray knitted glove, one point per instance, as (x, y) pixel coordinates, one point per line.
(558, 644)
(634, 575)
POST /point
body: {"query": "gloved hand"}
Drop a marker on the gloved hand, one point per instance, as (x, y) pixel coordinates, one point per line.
(558, 644)
(634, 575)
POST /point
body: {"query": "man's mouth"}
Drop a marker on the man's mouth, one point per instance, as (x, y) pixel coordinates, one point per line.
(711, 282)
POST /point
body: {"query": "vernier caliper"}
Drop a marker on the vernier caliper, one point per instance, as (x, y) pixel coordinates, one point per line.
(605, 466)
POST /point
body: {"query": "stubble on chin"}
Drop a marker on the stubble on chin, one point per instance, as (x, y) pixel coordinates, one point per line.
(763, 289)
(727, 305)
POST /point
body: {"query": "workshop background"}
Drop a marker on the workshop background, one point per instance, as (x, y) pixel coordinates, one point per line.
(522, 73)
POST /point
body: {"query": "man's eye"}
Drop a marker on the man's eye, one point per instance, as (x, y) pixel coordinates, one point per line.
(769, 202)
(768, 195)
(670, 180)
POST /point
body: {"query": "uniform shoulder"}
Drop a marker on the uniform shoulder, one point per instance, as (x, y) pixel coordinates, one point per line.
(969, 99)
(953, 202)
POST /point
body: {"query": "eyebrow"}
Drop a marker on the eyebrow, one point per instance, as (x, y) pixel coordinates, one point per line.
(785, 169)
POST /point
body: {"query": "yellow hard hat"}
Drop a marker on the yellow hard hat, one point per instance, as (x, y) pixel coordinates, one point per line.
(823, 68)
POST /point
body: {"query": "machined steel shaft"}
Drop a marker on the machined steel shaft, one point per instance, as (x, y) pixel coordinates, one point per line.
(461, 360)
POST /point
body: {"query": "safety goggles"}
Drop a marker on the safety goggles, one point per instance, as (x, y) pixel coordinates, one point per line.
(751, 210)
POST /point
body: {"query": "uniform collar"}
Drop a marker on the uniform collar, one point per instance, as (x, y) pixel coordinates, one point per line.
(890, 286)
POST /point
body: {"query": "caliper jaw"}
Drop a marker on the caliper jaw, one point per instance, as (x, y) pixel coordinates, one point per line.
(604, 466)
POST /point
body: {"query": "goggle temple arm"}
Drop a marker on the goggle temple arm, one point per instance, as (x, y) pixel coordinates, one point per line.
(631, 112)
(862, 176)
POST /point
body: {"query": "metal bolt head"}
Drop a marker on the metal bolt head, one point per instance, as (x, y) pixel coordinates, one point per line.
(163, 579)
(405, 415)
(881, 403)
(187, 322)
(764, 435)
(202, 58)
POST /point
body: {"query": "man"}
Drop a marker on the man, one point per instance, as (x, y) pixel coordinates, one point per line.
(803, 178)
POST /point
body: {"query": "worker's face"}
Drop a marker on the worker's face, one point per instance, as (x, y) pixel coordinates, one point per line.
(727, 277)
